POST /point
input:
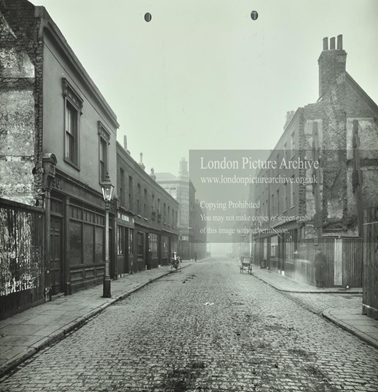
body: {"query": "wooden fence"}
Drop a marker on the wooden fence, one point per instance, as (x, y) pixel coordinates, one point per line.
(21, 257)
(370, 257)
(342, 261)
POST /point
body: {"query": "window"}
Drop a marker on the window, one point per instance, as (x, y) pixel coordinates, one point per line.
(164, 213)
(278, 201)
(122, 187)
(138, 201)
(71, 133)
(73, 104)
(145, 201)
(104, 138)
(130, 193)
(292, 191)
(158, 206)
(274, 246)
(153, 202)
(169, 215)
(292, 144)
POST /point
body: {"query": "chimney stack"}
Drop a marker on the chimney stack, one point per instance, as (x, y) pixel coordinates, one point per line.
(152, 175)
(332, 43)
(332, 63)
(141, 164)
(289, 117)
(125, 144)
(325, 43)
(340, 42)
(183, 168)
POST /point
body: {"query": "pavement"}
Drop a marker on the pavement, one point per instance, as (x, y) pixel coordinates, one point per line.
(207, 328)
(349, 317)
(24, 334)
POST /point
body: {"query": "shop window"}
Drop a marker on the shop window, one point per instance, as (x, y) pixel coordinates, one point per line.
(131, 241)
(99, 245)
(154, 244)
(140, 247)
(274, 246)
(75, 243)
(88, 242)
(120, 240)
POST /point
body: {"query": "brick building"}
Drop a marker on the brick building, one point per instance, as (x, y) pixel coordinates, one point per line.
(57, 143)
(340, 131)
(192, 240)
(147, 216)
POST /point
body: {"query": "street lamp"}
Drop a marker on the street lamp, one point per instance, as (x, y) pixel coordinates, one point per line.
(107, 191)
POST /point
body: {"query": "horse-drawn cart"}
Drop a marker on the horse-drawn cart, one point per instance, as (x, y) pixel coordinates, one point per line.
(246, 264)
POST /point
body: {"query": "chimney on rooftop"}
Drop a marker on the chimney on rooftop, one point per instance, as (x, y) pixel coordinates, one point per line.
(332, 63)
(183, 168)
(125, 144)
(152, 175)
(141, 164)
(289, 117)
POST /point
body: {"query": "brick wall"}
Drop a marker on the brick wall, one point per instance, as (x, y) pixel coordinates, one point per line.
(21, 103)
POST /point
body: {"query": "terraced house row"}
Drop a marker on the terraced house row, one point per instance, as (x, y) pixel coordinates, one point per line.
(58, 144)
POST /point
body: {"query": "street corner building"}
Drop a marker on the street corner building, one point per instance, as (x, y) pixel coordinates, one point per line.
(314, 229)
(57, 147)
(191, 221)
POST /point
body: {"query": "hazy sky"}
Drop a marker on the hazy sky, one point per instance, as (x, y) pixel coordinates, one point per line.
(203, 75)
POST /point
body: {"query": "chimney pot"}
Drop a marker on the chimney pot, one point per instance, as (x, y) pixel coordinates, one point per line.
(125, 142)
(325, 43)
(333, 39)
(340, 42)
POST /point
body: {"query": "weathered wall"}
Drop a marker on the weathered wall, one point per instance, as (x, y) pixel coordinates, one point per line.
(56, 67)
(20, 103)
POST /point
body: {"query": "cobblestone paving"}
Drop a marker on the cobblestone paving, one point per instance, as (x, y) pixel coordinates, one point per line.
(206, 328)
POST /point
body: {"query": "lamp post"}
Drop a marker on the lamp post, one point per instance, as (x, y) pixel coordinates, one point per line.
(107, 191)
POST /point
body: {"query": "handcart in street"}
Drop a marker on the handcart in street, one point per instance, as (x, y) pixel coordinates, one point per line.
(246, 264)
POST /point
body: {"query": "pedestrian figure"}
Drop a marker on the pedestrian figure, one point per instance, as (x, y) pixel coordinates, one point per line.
(195, 256)
(320, 265)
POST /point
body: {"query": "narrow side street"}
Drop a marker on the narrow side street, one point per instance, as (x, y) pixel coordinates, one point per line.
(206, 328)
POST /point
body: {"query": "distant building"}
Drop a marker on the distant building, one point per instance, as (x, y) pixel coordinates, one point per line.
(339, 131)
(192, 236)
(147, 231)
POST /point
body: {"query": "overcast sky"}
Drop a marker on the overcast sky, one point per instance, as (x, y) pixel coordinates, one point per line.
(203, 75)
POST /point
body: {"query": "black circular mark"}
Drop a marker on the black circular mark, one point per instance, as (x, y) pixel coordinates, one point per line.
(147, 17)
(254, 15)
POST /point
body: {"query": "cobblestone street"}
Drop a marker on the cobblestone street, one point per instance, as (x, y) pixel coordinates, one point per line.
(205, 328)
